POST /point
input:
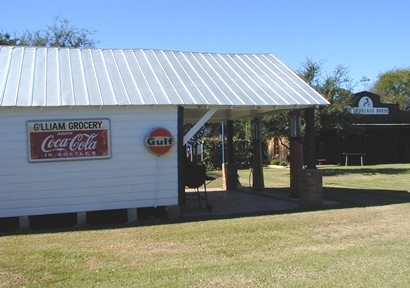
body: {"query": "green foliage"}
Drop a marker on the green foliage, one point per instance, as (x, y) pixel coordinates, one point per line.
(6, 39)
(394, 87)
(311, 72)
(33, 38)
(277, 162)
(60, 34)
(242, 129)
(335, 117)
(275, 125)
(336, 88)
(213, 153)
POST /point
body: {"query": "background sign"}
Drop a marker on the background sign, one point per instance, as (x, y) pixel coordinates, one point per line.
(365, 107)
(68, 139)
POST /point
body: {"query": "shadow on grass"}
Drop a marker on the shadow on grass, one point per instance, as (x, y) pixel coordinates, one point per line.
(364, 171)
(365, 197)
(333, 198)
(240, 204)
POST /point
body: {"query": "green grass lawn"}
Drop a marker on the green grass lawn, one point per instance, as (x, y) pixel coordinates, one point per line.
(387, 177)
(350, 247)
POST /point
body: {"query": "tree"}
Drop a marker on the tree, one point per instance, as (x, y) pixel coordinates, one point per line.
(5, 39)
(335, 87)
(394, 87)
(60, 34)
(311, 72)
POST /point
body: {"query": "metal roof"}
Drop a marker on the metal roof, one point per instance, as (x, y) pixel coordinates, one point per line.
(55, 77)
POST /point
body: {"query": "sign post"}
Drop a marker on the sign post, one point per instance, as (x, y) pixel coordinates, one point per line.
(159, 141)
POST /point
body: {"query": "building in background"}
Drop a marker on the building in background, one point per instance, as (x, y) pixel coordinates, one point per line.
(381, 133)
(278, 148)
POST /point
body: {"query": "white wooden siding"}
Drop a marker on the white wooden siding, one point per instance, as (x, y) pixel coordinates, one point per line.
(132, 178)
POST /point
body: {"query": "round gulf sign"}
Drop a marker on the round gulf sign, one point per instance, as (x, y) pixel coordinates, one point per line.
(159, 141)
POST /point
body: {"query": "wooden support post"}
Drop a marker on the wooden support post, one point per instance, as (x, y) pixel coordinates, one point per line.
(310, 138)
(257, 179)
(24, 223)
(296, 153)
(230, 174)
(132, 215)
(81, 218)
(230, 158)
(181, 156)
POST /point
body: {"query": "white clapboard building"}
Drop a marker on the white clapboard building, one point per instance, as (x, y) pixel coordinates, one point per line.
(74, 122)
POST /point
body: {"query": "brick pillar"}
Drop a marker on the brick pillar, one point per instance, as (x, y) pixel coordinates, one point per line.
(296, 166)
(311, 188)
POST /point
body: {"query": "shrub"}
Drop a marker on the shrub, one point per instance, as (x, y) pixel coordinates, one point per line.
(213, 153)
(274, 162)
(212, 157)
(277, 162)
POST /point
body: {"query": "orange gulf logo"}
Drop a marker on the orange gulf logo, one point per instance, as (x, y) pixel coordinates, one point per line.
(159, 141)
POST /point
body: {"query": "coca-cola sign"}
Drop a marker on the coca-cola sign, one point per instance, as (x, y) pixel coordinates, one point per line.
(68, 140)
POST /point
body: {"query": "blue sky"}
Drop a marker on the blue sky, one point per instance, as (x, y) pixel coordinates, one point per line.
(367, 37)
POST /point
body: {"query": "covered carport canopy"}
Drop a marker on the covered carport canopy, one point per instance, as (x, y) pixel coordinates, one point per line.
(243, 86)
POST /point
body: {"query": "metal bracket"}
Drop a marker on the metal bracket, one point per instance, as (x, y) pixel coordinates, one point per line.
(199, 124)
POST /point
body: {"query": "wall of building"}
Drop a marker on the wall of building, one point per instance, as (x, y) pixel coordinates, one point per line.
(278, 148)
(131, 178)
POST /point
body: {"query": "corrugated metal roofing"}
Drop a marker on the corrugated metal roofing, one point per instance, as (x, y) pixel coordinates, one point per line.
(50, 77)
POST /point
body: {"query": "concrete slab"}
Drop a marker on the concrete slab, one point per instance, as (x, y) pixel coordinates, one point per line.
(224, 203)
(244, 202)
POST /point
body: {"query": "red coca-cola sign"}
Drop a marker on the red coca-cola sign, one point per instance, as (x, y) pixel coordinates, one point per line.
(159, 141)
(68, 140)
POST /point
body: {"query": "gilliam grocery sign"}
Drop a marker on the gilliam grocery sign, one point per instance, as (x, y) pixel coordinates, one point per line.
(68, 140)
